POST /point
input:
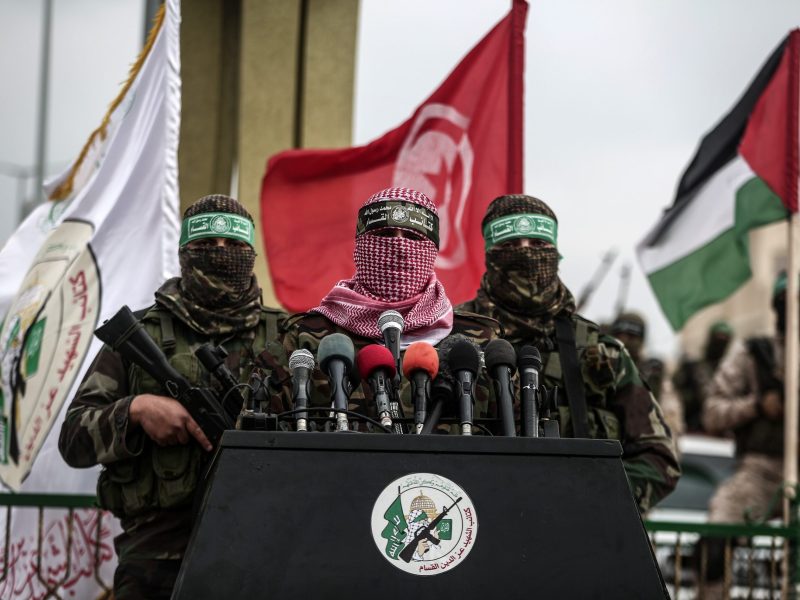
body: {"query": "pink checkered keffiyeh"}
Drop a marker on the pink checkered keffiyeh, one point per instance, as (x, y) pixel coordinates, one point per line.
(392, 273)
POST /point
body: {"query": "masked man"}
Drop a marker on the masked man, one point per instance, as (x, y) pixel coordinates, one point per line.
(151, 449)
(394, 258)
(692, 377)
(603, 394)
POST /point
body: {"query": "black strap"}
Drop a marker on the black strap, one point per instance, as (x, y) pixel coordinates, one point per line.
(573, 381)
(167, 332)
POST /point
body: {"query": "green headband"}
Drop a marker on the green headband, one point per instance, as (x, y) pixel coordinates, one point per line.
(217, 224)
(401, 215)
(510, 227)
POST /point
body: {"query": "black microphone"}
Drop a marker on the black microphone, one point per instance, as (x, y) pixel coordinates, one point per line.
(301, 363)
(464, 363)
(444, 384)
(529, 364)
(501, 361)
(336, 354)
(391, 324)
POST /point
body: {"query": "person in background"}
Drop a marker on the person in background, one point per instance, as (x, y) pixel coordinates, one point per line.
(692, 376)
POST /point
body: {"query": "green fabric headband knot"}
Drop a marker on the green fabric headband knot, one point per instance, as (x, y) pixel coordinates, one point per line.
(217, 224)
(527, 225)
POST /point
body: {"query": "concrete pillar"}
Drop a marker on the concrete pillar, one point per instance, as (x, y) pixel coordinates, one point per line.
(259, 77)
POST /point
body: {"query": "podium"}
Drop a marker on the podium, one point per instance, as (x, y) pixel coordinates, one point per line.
(350, 515)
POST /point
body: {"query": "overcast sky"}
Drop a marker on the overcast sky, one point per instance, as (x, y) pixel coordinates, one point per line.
(618, 94)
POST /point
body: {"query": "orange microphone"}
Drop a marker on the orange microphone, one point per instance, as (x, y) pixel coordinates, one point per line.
(420, 365)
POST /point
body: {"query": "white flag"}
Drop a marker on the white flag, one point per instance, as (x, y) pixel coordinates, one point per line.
(71, 265)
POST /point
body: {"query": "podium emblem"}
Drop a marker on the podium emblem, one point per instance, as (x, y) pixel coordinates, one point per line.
(424, 524)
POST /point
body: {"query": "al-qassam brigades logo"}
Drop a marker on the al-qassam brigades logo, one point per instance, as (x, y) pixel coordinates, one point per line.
(424, 524)
(43, 341)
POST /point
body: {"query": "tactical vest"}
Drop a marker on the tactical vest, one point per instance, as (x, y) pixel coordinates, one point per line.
(762, 435)
(603, 423)
(164, 477)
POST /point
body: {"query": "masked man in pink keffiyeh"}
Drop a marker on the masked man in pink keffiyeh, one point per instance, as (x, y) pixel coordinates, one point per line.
(396, 245)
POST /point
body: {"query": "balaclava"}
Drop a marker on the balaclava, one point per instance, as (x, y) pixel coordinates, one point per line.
(217, 292)
(630, 328)
(521, 287)
(719, 336)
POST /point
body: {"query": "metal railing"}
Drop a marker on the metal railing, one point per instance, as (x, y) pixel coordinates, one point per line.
(753, 557)
(52, 586)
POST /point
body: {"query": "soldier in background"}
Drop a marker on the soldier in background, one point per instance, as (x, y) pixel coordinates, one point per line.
(394, 270)
(522, 290)
(692, 377)
(745, 398)
(151, 449)
(630, 328)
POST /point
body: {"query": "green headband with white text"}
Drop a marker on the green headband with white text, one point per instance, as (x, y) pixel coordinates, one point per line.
(526, 225)
(217, 224)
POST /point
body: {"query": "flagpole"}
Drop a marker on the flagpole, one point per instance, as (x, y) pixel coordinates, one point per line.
(516, 58)
(791, 379)
(792, 365)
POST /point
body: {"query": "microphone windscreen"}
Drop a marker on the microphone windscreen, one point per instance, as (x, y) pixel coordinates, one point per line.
(374, 357)
(391, 318)
(529, 358)
(500, 353)
(301, 358)
(421, 356)
(336, 345)
(464, 357)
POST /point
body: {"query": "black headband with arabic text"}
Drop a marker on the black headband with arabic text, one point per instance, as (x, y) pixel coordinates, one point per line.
(401, 215)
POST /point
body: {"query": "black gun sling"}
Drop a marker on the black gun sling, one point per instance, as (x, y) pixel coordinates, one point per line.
(573, 381)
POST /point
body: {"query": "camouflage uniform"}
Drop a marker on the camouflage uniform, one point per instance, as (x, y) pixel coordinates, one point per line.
(151, 488)
(522, 290)
(306, 331)
(619, 406)
(732, 405)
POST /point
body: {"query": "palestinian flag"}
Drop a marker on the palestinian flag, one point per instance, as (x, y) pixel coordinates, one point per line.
(744, 175)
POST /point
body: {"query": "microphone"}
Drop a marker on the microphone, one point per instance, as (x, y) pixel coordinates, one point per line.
(529, 364)
(391, 325)
(464, 362)
(420, 365)
(301, 363)
(376, 364)
(501, 361)
(336, 354)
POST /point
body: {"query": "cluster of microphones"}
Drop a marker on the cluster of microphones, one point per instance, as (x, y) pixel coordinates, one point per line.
(441, 379)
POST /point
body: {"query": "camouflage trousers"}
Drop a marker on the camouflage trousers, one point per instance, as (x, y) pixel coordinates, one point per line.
(140, 579)
(750, 490)
(747, 493)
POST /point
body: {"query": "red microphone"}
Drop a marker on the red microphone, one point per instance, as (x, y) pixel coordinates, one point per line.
(420, 365)
(376, 364)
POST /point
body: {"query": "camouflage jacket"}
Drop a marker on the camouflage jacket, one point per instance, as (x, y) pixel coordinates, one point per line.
(306, 331)
(619, 405)
(149, 487)
(732, 401)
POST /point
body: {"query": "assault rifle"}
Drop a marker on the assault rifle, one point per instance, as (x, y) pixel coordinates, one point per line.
(125, 334)
(425, 533)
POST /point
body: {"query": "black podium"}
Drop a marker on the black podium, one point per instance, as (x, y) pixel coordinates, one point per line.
(338, 515)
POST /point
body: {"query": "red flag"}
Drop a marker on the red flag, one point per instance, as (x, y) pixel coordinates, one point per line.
(462, 147)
